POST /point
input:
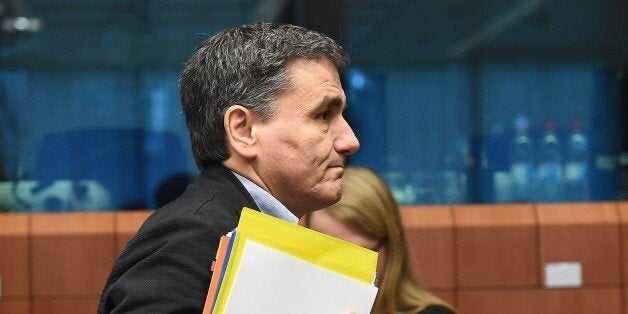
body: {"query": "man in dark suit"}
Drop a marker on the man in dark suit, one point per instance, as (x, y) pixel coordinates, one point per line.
(264, 107)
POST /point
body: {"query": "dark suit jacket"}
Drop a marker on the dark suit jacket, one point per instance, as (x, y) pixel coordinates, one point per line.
(165, 267)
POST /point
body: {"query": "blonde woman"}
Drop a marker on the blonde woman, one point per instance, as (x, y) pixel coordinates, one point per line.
(368, 215)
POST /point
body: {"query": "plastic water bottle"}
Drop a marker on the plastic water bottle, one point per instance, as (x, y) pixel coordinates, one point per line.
(454, 174)
(549, 172)
(522, 162)
(399, 181)
(576, 165)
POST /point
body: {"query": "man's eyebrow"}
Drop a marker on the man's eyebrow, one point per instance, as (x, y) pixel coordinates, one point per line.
(329, 101)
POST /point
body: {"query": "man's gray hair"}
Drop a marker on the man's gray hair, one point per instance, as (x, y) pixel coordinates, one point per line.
(247, 66)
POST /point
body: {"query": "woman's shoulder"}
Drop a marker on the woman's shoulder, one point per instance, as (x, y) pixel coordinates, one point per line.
(432, 309)
(436, 309)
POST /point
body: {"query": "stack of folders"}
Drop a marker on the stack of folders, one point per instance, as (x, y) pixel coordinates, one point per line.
(267, 265)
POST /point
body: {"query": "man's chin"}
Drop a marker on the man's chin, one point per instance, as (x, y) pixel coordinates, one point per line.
(319, 203)
(336, 198)
(328, 201)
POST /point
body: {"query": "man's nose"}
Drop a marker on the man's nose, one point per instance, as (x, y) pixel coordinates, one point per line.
(346, 143)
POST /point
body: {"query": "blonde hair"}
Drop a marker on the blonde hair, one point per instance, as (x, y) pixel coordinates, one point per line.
(367, 205)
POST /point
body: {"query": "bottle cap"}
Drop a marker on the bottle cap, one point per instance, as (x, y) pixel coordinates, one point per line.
(550, 125)
(576, 125)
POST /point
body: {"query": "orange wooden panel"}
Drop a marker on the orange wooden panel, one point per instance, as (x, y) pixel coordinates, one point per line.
(587, 233)
(601, 300)
(64, 306)
(72, 254)
(496, 245)
(623, 216)
(72, 223)
(625, 299)
(14, 306)
(13, 224)
(497, 215)
(126, 225)
(426, 216)
(577, 213)
(430, 238)
(14, 255)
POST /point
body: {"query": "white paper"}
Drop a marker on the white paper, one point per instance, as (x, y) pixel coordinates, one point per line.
(563, 275)
(270, 281)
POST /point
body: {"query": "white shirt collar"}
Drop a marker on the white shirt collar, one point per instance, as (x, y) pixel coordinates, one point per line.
(267, 203)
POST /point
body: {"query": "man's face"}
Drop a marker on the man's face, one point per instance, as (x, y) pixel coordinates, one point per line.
(303, 147)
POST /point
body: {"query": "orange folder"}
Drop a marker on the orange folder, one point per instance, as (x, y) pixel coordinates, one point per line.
(217, 271)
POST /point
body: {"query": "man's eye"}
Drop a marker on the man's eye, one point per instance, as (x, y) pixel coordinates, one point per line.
(324, 115)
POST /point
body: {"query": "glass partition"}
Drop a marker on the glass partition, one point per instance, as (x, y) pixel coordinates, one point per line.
(454, 102)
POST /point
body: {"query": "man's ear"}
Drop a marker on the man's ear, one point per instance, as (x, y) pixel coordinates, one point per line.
(239, 122)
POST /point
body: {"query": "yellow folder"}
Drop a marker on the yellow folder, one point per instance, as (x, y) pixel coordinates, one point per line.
(329, 262)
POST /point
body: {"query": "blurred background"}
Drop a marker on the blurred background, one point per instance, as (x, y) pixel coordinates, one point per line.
(453, 101)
